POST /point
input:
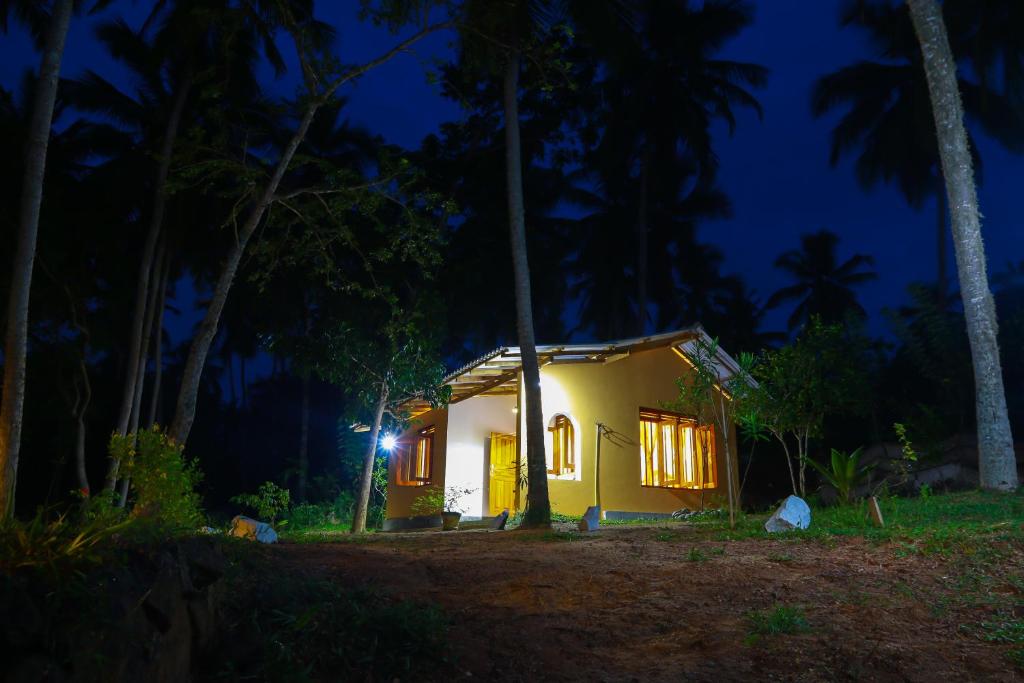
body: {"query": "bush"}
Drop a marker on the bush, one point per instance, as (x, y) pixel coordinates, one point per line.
(163, 481)
(269, 501)
(309, 515)
(54, 542)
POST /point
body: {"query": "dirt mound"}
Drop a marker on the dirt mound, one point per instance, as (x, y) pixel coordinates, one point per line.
(662, 604)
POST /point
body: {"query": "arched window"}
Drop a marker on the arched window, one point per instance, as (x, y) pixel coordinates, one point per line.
(562, 455)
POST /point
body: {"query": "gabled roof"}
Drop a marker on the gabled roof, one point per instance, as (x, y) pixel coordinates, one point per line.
(497, 372)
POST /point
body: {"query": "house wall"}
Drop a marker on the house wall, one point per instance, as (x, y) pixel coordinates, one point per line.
(610, 393)
(613, 393)
(401, 498)
(470, 424)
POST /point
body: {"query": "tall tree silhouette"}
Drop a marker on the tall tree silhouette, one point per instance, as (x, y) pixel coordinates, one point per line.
(16, 339)
(824, 286)
(887, 122)
(997, 463)
(666, 88)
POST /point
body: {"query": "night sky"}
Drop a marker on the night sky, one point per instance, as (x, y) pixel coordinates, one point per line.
(775, 171)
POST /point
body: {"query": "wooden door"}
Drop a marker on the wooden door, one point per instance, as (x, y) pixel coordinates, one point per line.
(503, 473)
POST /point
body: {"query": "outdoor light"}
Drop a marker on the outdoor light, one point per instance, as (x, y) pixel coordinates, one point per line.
(388, 442)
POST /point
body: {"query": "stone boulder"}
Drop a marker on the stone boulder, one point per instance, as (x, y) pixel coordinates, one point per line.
(794, 513)
(591, 519)
(253, 530)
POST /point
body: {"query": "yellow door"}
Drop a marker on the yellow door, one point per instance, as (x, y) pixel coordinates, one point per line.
(503, 473)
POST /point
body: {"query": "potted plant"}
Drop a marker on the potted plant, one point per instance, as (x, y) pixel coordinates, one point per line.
(447, 501)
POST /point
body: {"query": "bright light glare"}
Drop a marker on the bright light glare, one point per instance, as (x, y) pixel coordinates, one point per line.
(388, 442)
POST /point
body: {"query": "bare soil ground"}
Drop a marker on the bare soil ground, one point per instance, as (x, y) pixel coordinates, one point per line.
(666, 603)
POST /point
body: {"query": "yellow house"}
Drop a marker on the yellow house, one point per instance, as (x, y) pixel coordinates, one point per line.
(608, 440)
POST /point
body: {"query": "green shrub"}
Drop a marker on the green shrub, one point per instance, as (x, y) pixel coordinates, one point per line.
(269, 501)
(163, 481)
(844, 472)
(309, 515)
(54, 542)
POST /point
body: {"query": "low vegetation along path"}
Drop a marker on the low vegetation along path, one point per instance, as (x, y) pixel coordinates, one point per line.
(668, 602)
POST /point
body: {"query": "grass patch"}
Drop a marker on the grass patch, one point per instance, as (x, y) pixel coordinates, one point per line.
(781, 620)
(963, 523)
(696, 555)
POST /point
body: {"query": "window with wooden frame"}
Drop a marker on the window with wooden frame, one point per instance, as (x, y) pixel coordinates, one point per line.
(561, 457)
(416, 467)
(675, 452)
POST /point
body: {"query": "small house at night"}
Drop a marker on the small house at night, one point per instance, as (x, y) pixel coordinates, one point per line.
(608, 440)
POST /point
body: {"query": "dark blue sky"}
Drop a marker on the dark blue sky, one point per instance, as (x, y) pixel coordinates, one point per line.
(776, 171)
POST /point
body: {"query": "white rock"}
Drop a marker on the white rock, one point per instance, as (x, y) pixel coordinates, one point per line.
(249, 528)
(792, 514)
(591, 519)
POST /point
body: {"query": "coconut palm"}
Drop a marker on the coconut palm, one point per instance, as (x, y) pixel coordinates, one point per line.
(887, 122)
(50, 29)
(997, 463)
(666, 88)
(824, 286)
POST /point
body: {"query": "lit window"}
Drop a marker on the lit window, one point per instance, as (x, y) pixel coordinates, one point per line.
(561, 457)
(675, 453)
(416, 463)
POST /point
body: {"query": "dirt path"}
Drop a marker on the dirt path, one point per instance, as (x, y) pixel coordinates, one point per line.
(648, 604)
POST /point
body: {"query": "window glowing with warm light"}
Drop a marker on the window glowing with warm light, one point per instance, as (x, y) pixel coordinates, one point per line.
(417, 461)
(674, 452)
(561, 456)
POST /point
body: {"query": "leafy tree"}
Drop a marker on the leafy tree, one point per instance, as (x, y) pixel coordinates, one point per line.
(382, 365)
(799, 385)
(715, 395)
(824, 287)
(997, 463)
(261, 180)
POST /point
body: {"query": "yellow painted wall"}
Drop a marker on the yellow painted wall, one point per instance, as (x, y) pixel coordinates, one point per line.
(400, 498)
(611, 393)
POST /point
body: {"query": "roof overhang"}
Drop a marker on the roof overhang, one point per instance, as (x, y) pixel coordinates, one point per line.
(497, 372)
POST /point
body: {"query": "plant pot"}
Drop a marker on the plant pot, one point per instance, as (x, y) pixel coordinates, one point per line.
(450, 520)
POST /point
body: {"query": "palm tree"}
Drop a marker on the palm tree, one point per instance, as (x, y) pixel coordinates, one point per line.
(887, 121)
(997, 463)
(16, 340)
(666, 89)
(824, 287)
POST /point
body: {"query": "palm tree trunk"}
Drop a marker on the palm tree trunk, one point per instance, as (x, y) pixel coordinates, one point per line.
(16, 340)
(538, 506)
(147, 334)
(80, 407)
(366, 478)
(136, 345)
(304, 440)
(940, 241)
(158, 336)
(145, 275)
(997, 463)
(642, 244)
